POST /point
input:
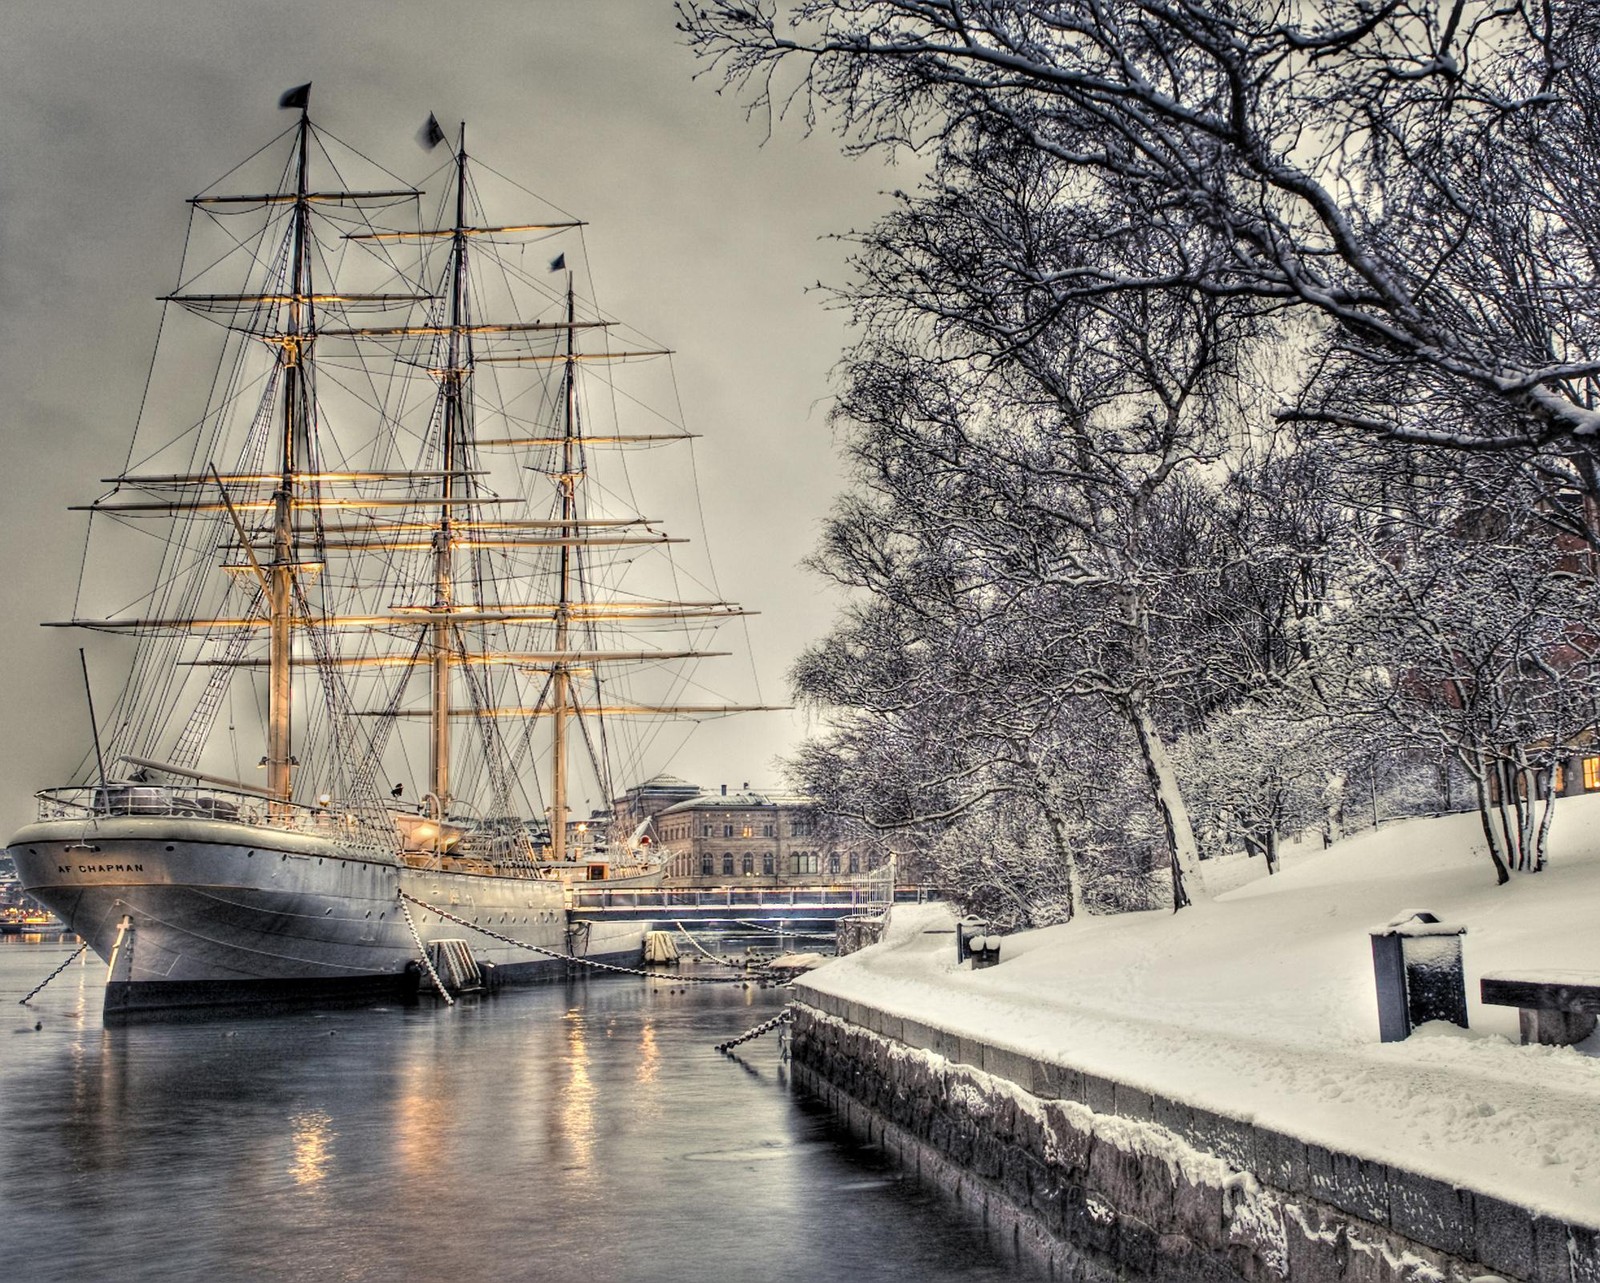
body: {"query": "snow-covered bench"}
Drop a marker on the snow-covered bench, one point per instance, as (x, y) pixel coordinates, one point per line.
(1556, 1007)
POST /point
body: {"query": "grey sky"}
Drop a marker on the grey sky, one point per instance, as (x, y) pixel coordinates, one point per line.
(111, 114)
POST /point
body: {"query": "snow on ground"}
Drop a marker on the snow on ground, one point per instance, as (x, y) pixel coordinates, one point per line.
(1261, 1003)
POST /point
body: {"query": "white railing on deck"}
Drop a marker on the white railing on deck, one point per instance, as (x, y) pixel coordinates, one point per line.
(199, 804)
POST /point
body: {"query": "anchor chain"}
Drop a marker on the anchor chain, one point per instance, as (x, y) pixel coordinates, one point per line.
(566, 957)
(782, 1018)
(423, 951)
(39, 988)
(779, 931)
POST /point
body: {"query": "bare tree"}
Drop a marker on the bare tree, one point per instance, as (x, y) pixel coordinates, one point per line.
(1462, 633)
(1417, 176)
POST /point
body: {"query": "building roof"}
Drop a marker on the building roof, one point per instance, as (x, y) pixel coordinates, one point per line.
(666, 782)
(740, 799)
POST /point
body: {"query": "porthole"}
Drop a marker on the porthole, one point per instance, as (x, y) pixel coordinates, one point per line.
(172, 848)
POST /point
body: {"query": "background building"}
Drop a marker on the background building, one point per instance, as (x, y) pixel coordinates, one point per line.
(741, 836)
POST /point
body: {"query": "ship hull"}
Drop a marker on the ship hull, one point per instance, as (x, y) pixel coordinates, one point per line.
(194, 914)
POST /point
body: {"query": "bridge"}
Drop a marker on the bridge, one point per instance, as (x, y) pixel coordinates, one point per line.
(793, 907)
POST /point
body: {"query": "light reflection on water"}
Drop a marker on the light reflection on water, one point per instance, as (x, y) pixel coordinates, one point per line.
(313, 1146)
(572, 1132)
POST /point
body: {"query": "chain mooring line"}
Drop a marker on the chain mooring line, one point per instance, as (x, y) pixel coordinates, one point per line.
(687, 935)
(422, 949)
(779, 931)
(39, 988)
(782, 1018)
(567, 957)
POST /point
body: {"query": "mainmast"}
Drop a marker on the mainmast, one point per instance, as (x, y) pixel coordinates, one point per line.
(560, 704)
(293, 347)
(454, 378)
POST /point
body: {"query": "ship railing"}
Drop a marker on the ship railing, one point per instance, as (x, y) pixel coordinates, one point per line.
(199, 803)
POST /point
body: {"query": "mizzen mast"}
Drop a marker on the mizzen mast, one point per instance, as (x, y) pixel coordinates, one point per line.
(293, 349)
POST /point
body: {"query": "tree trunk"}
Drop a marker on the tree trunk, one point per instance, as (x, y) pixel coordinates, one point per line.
(1188, 881)
(1503, 784)
(1541, 846)
(1479, 770)
(1271, 848)
(1527, 798)
(1069, 861)
(1333, 808)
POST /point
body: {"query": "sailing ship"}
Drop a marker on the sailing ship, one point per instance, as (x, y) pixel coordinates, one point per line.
(386, 537)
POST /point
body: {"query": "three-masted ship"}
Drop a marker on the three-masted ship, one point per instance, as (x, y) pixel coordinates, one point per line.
(385, 552)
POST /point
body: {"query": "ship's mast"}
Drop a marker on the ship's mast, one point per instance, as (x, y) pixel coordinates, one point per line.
(560, 704)
(292, 349)
(454, 387)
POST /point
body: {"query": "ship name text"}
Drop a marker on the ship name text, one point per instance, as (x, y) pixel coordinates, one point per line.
(100, 868)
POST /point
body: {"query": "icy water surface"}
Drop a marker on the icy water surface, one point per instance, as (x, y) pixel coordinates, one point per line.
(571, 1132)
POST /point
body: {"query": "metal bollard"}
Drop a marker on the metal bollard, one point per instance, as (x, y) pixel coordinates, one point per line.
(967, 929)
(985, 951)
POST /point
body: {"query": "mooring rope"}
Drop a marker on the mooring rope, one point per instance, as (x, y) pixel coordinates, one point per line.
(39, 988)
(568, 957)
(782, 1018)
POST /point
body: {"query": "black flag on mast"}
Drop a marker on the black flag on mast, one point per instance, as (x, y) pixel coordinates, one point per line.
(299, 96)
(430, 135)
(558, 263)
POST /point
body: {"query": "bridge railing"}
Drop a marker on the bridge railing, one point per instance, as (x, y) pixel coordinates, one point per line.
(859, 897)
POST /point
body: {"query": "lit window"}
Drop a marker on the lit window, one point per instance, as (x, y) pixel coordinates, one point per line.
(1591, 773)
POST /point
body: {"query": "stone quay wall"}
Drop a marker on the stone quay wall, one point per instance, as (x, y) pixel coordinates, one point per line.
(1093, 1179)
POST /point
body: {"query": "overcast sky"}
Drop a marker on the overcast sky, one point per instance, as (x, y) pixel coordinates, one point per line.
(111, 114)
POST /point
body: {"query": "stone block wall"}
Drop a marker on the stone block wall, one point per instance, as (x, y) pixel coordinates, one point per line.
(1092, 1178)
(857, 932)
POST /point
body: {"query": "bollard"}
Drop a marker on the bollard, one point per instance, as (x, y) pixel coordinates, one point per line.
(985, 951)
(966, 930)
(1416, 962)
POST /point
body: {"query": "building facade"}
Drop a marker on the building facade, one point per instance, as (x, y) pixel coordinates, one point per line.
(737, 837)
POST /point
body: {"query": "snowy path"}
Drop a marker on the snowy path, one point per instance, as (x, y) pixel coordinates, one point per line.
(1260, 1005)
